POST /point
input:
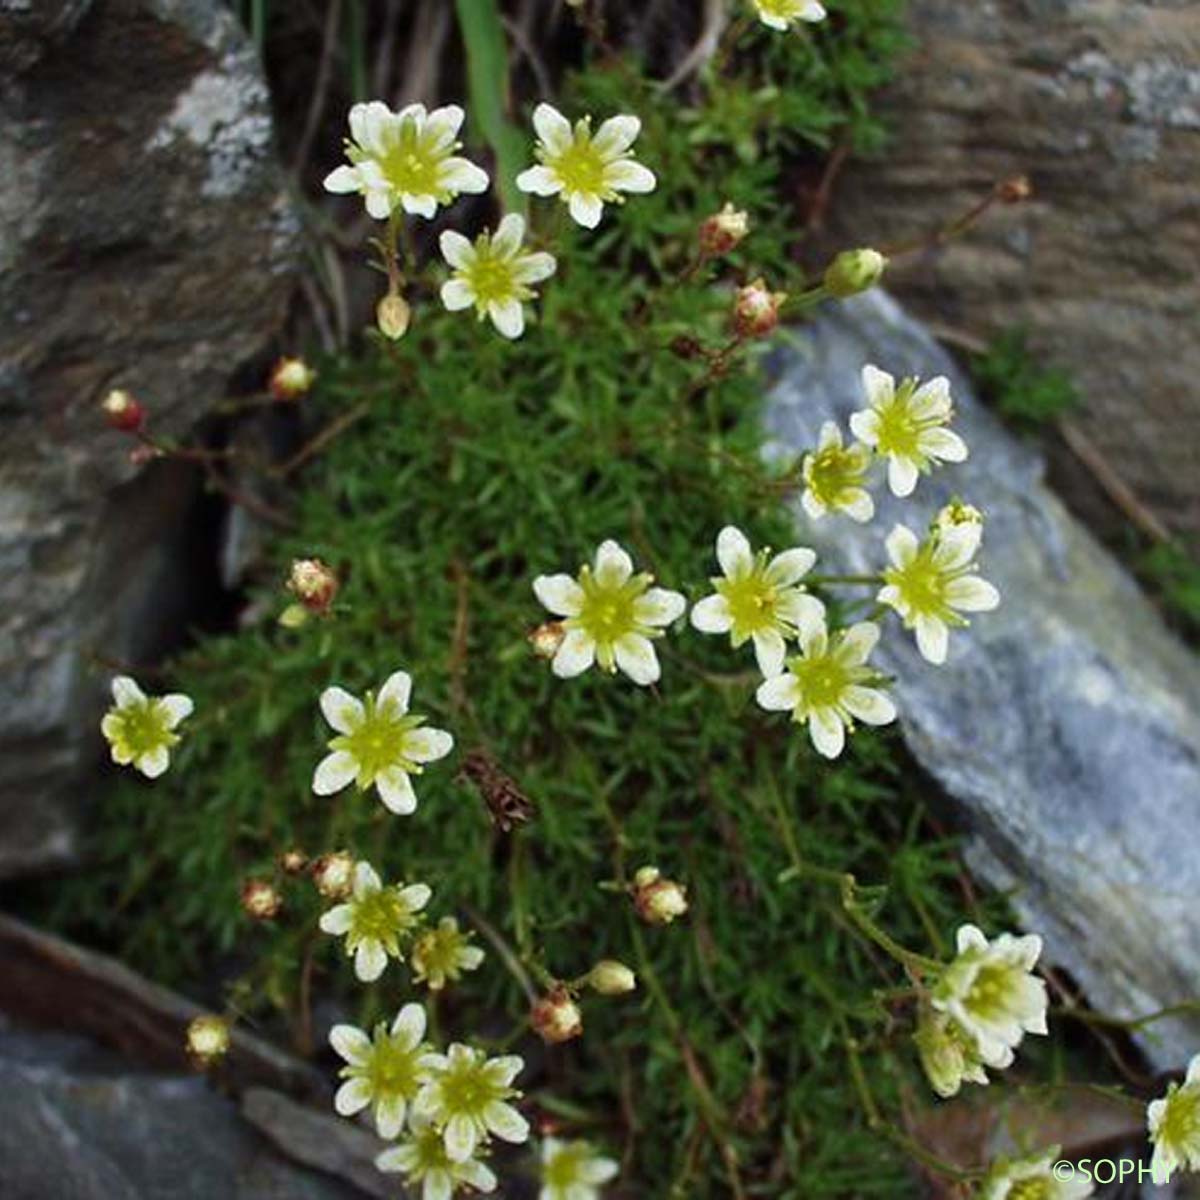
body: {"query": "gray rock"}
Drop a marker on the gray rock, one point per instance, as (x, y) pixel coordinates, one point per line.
(145, 242)
(76, 1123)
(1066, 725)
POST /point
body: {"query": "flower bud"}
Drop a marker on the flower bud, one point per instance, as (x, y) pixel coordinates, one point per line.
(756, 310)
(123, 412)
(854, 271)
(1016, 190)
(957, 512)
(207, 1040)
(556, 1017)
(721, 232)
(658, 901)
(546, 639)
(333, 875)
(313, 584)
(611, 978)
(260, 900)
(290, 379)
(392, 316)
(293, 861)
(295, 616)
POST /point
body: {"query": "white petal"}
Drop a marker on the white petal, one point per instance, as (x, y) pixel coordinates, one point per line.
(827, 732)
(944, 444)
(630, 176)
(541, 181)
(377, 126)
(802, 610)
(857, 504)
(337, 920)
(504, 1070)
(902, 545)
(125, 692)
(509, 235)
(830, 435)
(445, 122)
(370, 959)
(770, 650)
(902, 476)
(508, 317)
(970, 937)
(869, 705)
(477, 1175)
(505, 1122)
(931, 399)
(560, 594)
(969, 593)
(462, 175)
(613, 566)
(379, 203)
(438, 1184)
(790, 566)
(878, 385)
(396, 691)
(596, 1171)
(933, 639)
(398, 1158)
(411, 1022)
(343, 711)
(659, 606)
(420, 206)
(456, 249)
(426, 745)
(389, 1116)
(616, 135)
(712, 615)
(865, 426)
(857, 643)
(734, 553)
(334, 772)
(396, 791)
(457, 294)
(350, 1042)
(586, 209)
(956, 546)
(154, 763)
(552, 128)
(366, 880)
(459, 1138)
(812, 505)
(814, 641)
(352, 1097)
(177, 707)
(533, 268)
(780, 694)
(636, 657)
(343, 180)
(415, 896)
(575, 655)
(1193, 1071)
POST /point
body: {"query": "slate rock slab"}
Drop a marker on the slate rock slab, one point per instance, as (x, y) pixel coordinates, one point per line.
(1066, 725)
(146, 242)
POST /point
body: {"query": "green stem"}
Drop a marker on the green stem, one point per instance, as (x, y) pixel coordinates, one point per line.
(864, 579)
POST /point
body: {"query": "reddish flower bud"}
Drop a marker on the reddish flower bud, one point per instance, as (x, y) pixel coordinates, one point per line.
(313, 584)
(556, 1017)
(260, 900)
(290, 379)
(333, 875)
(756, 310)
(721, 232)
(123, 412)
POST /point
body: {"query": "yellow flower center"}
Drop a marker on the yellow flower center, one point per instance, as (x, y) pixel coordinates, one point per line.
(607, 611)
(563, 1169)
(379, 741)
(832, 471)
(436, 953)
(1030, 1189)
(822, 678)
(380, 916)
(467, 1091)
(430, 1153)
(786, 9)
(142, 728)
(1181, 1117)
(412, 165)
(922, 584)
(898, 428)
(581, 167)
(990, 993)
(391, 1068)
(490, 277)
(752, 601)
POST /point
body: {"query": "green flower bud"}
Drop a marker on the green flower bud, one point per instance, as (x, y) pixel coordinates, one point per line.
(854, 271)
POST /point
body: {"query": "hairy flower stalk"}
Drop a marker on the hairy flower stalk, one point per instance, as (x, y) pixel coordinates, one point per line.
(140, 729)
(586, 170)
(385, 1070)
(829, 686)
(379, 743)
(906, 424)
(376, 921)
(610, 614)
(759, 598)
(405, 160)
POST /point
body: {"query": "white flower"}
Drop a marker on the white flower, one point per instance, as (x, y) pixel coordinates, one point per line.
(611, 615)
(905, 425)
(386, 1069)
(467, 1097)
(779, 14)
(405, 159)
(828, 684)
(948, 1053)
(1034, 1178)
(375, 919)
(587, 171)
(422, 1158)
(494, 274)
(1174, 1124)
(573, 1171)
(759, 599)
(379, 742)
(441, 955)
(931, 583)
(990, 990)
(140, 729)
(834, 475)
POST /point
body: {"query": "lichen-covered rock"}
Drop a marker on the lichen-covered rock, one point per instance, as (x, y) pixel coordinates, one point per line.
(145, 243)
(1099, 102)
(1066, 724)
